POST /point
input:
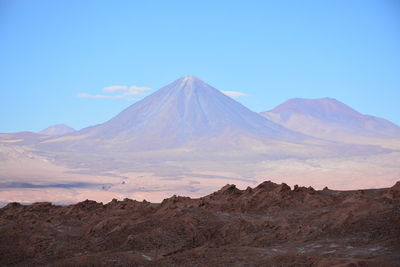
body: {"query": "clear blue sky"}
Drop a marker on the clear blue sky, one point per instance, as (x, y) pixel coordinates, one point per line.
(51, 51)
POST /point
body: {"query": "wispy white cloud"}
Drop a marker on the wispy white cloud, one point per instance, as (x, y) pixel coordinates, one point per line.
(136, 90)
(85, 95)
(234, 94)
(119, 92)
(114, 88)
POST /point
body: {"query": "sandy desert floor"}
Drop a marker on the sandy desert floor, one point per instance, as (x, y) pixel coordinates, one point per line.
(27, 176)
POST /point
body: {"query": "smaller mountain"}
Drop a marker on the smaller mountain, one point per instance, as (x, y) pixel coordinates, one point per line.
(58, 129)
(330, 119)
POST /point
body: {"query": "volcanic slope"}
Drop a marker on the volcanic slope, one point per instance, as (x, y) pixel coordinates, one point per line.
(330, 119)
(269, 225)
(187, 112)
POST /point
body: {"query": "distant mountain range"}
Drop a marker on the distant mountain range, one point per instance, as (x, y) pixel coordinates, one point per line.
(191, 113)
(27, 137)
(190, 138)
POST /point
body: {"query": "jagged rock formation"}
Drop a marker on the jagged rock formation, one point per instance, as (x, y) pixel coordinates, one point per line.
(269, 225)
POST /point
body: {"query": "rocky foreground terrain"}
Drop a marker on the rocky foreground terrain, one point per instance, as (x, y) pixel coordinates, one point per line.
(269, 225)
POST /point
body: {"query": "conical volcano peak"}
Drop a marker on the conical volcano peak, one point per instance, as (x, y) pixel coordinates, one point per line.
(190, 82)
(187, 112)
(190, 78)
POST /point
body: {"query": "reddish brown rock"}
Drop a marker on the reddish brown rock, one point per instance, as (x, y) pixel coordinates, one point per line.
(269, 225)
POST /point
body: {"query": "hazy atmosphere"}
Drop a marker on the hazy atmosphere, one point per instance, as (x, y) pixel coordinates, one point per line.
(200, 133)
(146, 100)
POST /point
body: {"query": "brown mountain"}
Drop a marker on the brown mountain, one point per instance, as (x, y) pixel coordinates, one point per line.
(269, 225)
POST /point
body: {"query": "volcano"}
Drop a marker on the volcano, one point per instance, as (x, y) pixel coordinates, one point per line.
(185, 113)
(331, 119)
(189, 138)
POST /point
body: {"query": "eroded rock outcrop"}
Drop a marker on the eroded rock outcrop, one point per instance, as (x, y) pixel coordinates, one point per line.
(269, 225)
